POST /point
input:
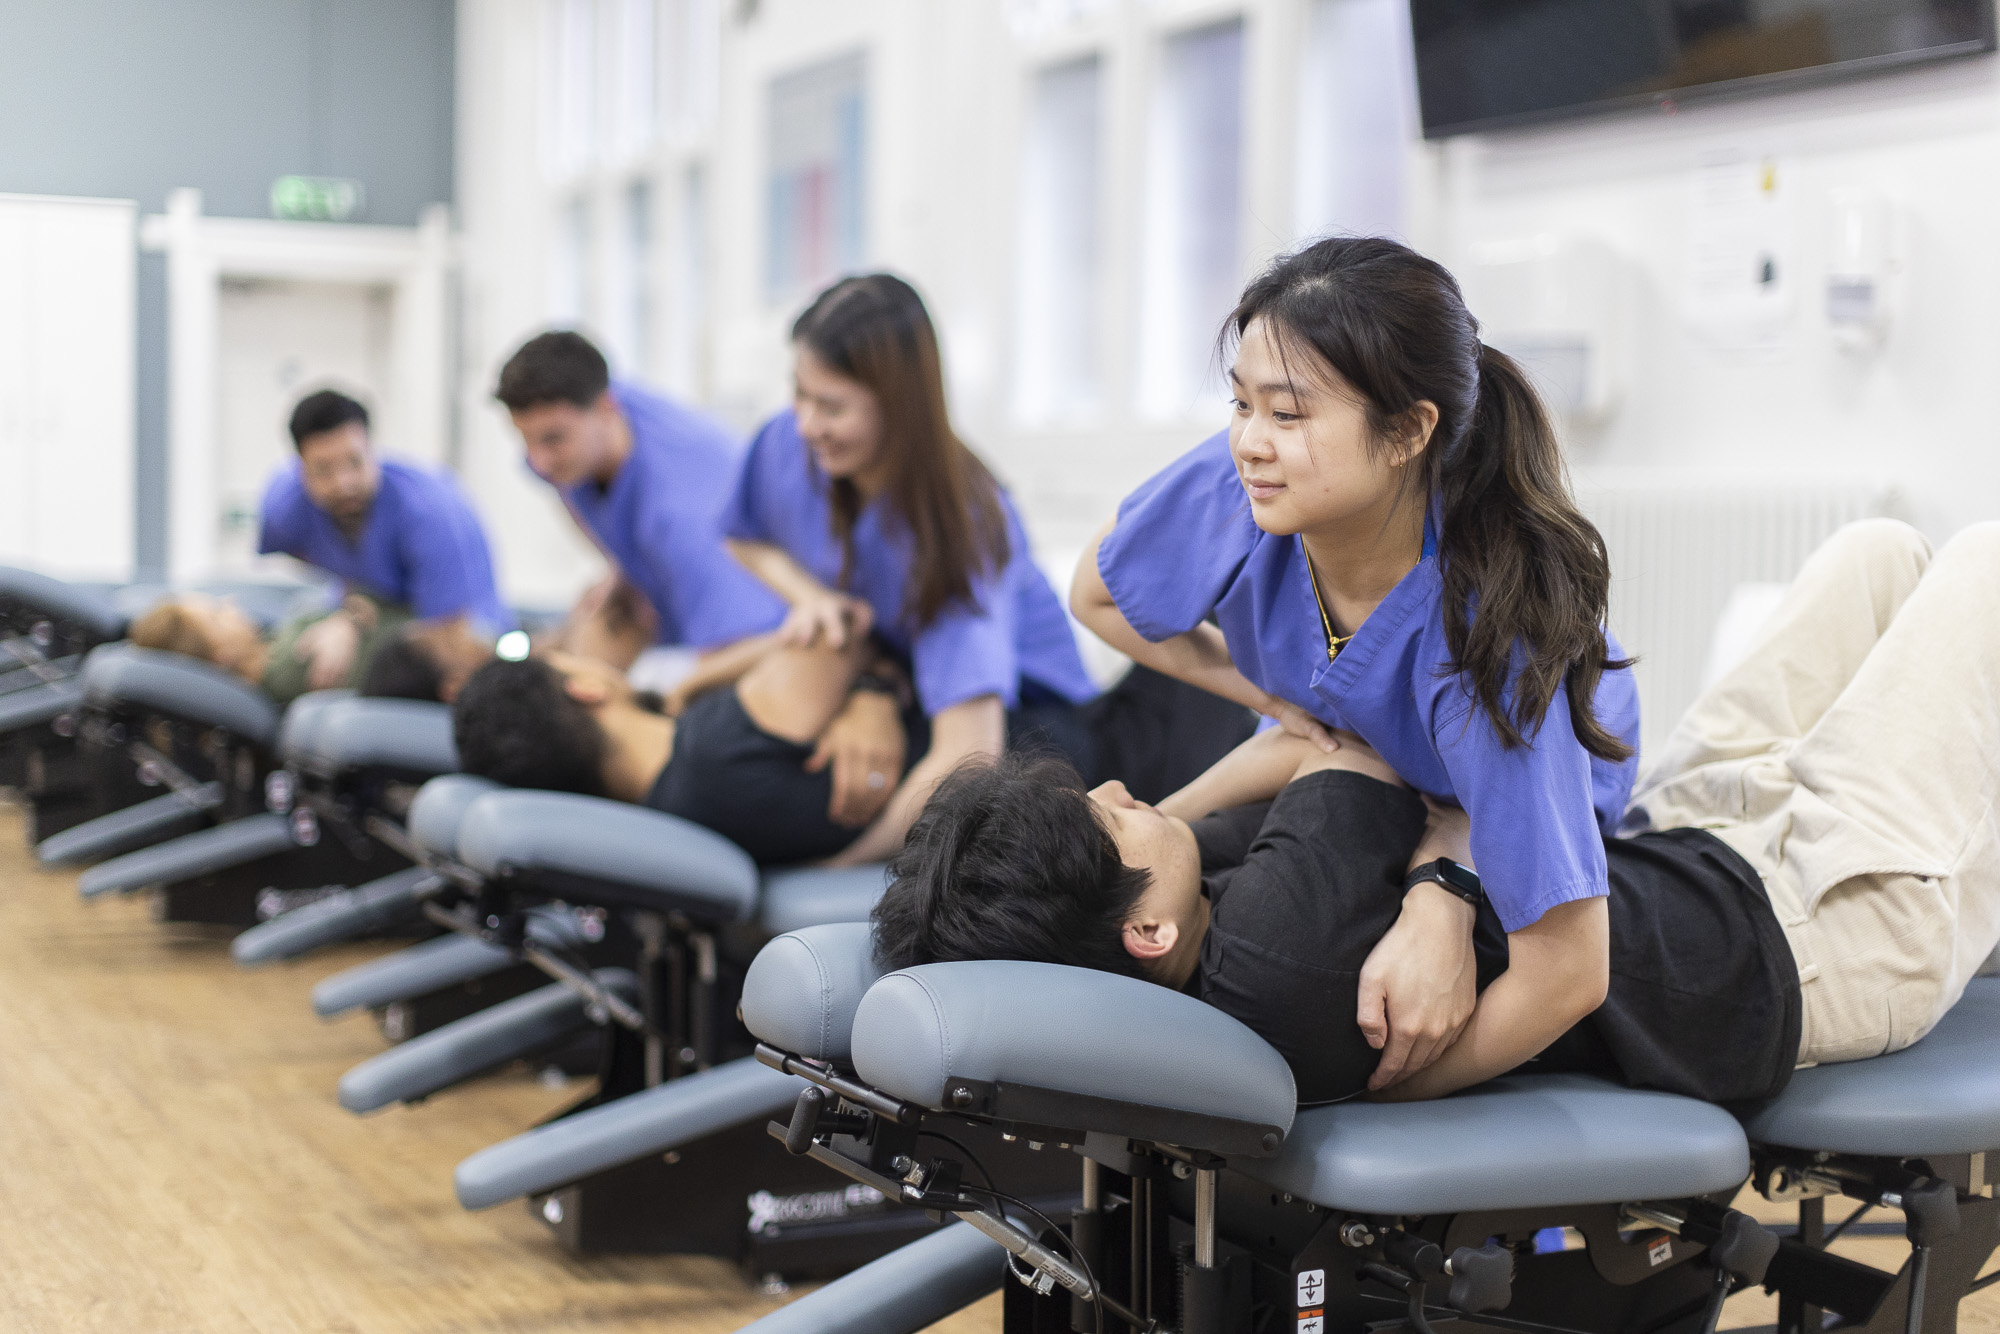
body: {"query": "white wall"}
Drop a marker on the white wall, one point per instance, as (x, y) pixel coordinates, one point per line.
(1924, 410)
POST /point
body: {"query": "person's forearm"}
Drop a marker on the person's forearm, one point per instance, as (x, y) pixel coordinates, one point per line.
(775, 567)
(726, 665)
(1255, 771)
(1556, 975)
(1200, 657)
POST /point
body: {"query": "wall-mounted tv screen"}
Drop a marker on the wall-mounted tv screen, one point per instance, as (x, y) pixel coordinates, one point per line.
(1483, 64)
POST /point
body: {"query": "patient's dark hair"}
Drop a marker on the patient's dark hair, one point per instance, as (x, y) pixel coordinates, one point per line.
(1009, 860)
(325, 410)
(557, 367)
(515, 723)
(401, 669)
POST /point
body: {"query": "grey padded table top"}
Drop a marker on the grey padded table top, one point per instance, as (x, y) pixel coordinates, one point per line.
(182, 686)
(813, 895)
(1939, 1096)
(1516, 1142)
(803, 988)
(91, 608)
(1081, 1033)
(440, 807)
(615, 853)
(410, 735)
(38, 704)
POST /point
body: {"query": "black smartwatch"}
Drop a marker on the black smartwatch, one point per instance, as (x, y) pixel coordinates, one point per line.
(1460, 880)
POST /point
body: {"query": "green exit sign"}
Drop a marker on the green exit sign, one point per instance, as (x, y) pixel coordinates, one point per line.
(317, 199)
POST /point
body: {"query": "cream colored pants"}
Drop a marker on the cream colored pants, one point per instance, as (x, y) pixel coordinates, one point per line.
(1853, 759)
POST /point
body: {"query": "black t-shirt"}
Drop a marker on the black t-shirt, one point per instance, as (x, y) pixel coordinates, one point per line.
(1703, 998)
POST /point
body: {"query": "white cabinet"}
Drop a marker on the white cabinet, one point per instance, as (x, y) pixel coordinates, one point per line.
(67, 330)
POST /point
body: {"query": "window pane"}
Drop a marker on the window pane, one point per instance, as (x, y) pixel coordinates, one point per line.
(634, 290)
(687, 309)
(694, 31)
(1056, 318)
(1191, 261)
(569, 86)
(569, 263)
(635, 56)
(1357, 109)
(817, 180)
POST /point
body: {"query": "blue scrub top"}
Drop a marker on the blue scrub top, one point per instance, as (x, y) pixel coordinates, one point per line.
(1016, 635)
(660, 523)
(421, 545)
(1186, 548)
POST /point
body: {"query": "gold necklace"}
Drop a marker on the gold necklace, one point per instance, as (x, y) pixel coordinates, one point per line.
(1334, 643)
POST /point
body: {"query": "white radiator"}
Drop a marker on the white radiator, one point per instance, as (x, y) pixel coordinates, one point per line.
(1680, 543)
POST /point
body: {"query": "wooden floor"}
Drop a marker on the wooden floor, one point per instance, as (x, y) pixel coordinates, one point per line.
(172, 1159)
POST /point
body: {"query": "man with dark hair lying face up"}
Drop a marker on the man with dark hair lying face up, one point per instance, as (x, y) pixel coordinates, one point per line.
(751, 758)
(1811, 871)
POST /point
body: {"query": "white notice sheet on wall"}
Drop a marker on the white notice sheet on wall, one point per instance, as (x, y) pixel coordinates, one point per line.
(1741, 257)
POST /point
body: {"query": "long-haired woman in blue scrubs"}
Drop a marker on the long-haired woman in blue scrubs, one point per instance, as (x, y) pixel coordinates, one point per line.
(864, 510)
(1383, 542)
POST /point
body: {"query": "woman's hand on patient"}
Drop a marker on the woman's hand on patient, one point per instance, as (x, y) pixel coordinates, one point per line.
(1419, 984)
(329, 647)
(1297, 722)
(866, 746)
(834, 618)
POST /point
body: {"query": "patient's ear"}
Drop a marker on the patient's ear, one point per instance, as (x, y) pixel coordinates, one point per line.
(586, 690)
(1146, 941)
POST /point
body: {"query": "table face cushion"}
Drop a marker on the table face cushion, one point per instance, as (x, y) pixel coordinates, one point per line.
(588, 849)
(803, 988)
(440, 806)
(1939, 1096)
(1163, 1065)
(123, 675)
(300, 725)
(413, 736)
(91, 609)
(814, 895)
(1521, 1141)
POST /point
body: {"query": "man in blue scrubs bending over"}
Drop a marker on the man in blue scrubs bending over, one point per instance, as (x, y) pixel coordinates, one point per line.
(393, 531)
(646, 479)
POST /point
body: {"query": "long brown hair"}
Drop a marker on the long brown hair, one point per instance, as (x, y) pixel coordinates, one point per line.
(874, 330)
(1521, 565)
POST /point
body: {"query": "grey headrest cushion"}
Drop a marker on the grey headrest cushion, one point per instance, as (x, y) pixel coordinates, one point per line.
(1075, 1030)
(803, 988)
(183, 686)
(408, 734)
(439, 806)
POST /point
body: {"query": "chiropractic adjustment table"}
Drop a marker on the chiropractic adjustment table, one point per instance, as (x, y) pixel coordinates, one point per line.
(670, 1153)
(248, 844)
(1205, 1202)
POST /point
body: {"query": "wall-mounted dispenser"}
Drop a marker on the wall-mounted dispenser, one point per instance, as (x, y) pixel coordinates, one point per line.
(1554, 303)
(1862, 263)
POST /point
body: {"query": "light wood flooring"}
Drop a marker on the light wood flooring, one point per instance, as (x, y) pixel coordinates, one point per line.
(172, 1159)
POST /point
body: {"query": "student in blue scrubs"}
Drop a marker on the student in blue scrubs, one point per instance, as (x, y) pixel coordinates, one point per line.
(392, 531)
(1383, 542)
(865, 511)
(646, 479)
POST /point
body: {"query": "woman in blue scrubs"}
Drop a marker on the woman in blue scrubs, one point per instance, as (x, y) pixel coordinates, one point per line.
(864, 510)
(1383, 542)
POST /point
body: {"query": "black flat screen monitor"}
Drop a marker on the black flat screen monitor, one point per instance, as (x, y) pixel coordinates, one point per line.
(1484, 64)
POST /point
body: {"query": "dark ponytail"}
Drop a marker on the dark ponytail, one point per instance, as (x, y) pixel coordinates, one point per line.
(1520, 563)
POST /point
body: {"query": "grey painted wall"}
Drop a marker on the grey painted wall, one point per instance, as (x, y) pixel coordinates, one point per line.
(132, 98)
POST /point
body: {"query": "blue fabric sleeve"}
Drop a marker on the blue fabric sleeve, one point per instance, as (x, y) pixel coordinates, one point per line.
(1180, 541)
(969, 651)
(747, 517)
(445, 552)
(282, 514)
(1535, 840)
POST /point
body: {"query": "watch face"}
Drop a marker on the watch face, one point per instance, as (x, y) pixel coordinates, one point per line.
(1461, 878)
